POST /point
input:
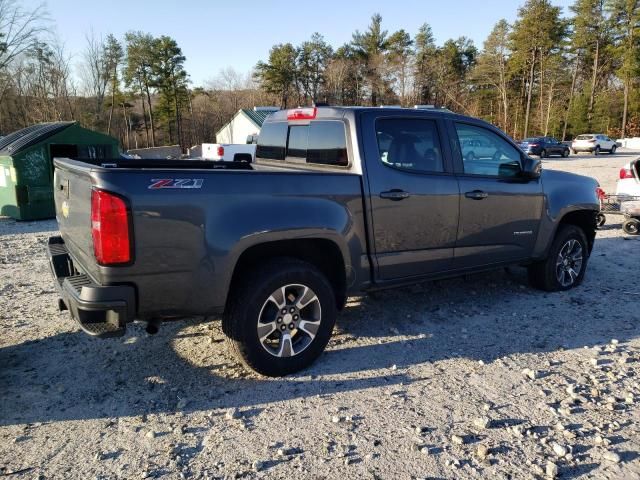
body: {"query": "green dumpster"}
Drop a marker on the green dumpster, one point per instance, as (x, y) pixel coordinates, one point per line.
(26, 168)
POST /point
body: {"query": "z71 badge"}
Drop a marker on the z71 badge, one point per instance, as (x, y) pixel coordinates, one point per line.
(158, 183)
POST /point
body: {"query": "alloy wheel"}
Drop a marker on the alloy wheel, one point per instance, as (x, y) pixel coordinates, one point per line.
(569, 263)
(289, 320)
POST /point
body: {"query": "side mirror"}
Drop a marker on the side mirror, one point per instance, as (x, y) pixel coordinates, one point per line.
(531, 168)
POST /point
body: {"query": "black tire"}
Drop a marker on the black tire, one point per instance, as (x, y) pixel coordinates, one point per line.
(544, 275)
(613, 150)
(631, 226)
(597, 150)
(565, 153)
(600, 220)
(575, 152)
(240, 320)
(470, 157)
(543, 153)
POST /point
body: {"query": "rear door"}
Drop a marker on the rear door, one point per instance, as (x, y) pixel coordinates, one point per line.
(414, 195)
(500, 211)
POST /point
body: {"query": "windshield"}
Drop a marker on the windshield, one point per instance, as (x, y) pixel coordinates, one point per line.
(530, 140)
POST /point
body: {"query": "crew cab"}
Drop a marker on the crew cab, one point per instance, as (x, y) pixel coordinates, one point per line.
(339, 202)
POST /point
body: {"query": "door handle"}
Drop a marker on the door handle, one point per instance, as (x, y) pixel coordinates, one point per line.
(395, 195)
(476, 195)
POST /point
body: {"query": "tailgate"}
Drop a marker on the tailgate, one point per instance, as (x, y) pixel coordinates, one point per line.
(72, 194)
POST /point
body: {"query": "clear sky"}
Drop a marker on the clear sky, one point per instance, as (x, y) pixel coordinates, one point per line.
(217, 34)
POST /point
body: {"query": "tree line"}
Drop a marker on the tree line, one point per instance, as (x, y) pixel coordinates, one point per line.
(542, 74)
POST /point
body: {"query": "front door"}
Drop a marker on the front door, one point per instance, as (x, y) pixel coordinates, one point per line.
(414, 195)
(500, 211)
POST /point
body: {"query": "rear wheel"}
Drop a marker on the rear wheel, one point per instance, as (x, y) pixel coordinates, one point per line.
(575, 152)
(631, 226)
(280, 320)
(470, 157)
(565, 153)
(597, 150)
(600, 220)
(543, 153)
(564, 268)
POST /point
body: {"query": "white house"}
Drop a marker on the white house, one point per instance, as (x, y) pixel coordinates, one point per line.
(244, 123)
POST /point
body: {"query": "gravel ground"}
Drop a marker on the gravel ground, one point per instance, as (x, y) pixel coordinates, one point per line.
(480, 377)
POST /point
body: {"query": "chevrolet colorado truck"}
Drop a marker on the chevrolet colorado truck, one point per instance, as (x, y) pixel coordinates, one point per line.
(339, 202)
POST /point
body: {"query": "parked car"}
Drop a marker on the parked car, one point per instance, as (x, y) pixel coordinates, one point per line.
(629, 181)
(477, 148)
(340, 202)
(593, 143)
(228, 152)
(544, 147)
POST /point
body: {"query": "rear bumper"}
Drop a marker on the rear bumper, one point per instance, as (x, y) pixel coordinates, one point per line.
(101, 311)
(583, 148)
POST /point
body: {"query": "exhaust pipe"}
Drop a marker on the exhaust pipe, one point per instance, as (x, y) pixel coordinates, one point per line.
(152, 327)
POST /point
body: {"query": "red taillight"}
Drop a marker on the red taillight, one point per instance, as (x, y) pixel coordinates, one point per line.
(220, 151)
(302, 113)
(600, 193)
(625, 173)
(110, 228)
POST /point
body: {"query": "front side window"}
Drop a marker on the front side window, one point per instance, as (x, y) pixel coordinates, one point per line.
(409, 144)
(486, 153)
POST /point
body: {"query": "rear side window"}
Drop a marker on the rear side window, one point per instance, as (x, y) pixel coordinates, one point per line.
(272, 141)
(409, 144)
(320, 142)
(584, 137)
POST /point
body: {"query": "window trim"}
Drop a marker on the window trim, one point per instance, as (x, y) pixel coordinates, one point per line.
(459, 160)
(446, 167)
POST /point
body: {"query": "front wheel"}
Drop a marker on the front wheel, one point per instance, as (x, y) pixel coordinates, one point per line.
(600, 220)
(565, 153)
(613, 150)
(566, 264)
(631, 226)
(543, 153)
(280, 320)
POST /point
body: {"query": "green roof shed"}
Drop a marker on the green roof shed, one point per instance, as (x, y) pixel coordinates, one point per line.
(26, 164)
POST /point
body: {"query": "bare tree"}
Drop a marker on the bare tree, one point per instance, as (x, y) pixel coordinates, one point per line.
(18, 29)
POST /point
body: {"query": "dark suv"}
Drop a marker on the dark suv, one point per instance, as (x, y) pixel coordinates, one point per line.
(543, 147)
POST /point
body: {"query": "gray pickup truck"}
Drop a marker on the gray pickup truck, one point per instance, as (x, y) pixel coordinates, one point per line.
(339, 202)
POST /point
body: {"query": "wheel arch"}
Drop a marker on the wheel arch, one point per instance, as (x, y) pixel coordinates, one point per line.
(323, 253)
(585, 220)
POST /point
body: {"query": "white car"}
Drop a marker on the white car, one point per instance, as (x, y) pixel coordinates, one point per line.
(629, 181)
(593, 143)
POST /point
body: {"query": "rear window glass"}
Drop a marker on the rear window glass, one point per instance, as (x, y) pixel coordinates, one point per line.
(327, 144)
(584, 137)
(272, 141)
(320, 142)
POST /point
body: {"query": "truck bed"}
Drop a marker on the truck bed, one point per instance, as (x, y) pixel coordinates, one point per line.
(190, 221)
